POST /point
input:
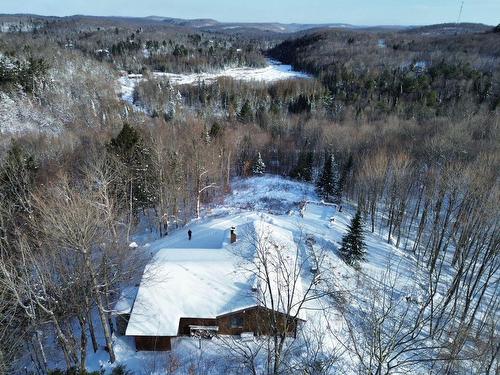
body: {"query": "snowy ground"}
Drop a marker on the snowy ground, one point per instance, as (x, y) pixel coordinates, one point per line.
(276, 201)
(275, 71)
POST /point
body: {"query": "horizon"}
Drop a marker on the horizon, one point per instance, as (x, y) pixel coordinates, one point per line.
(245, 22)
(359, 13)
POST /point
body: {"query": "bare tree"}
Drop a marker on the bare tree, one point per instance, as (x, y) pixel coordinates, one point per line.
(387, 331)
(284, 287)
(72, 219)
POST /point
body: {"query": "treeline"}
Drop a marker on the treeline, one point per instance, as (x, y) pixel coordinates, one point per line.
(66, 222)
(156, 48)
(29, 74)
(47, 88)
(230, 99)
(380, 74)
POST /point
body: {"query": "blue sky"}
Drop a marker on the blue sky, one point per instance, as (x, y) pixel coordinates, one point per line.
(361, 12)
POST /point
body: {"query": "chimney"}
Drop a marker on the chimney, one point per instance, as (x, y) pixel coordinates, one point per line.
(233, 234)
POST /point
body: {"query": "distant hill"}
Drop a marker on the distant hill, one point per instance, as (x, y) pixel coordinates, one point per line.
(325, 50)
(450, 29)
(22, 22)
(194, 23)
(28, 22)
(276, 27)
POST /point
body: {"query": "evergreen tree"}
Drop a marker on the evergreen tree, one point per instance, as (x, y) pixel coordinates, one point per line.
(303, 171)
(246, 113)
(258, 166)
(300, 105)
(353, 249)
(130, 150)
(216, 130)
(344, 173)
(337, 188)
(328, 181)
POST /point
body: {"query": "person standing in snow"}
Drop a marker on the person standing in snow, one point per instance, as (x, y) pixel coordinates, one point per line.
(189, 234)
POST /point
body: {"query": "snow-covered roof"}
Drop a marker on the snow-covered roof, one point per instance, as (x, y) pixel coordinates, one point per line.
(126, 301)
(187, 283)
(195, 283)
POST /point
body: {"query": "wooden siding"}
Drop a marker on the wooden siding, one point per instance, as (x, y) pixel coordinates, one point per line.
(256, 320)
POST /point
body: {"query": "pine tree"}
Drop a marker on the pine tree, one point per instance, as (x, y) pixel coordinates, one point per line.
(353, 249)
(337, 188)
(300, 105)
(129, 148)
(246, 113)
(258, 166)
(346, 170)
(303, 171)
(216, 130)
(326, 183)
(308, 166)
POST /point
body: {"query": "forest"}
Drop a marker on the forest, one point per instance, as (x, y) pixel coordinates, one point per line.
(403, 124)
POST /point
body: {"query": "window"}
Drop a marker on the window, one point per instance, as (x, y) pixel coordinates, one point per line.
(237, 322)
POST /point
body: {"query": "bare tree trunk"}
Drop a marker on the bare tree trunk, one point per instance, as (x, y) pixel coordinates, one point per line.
(228, 172)
(100, 307)
(83, 344)
(95, 346)
(131, 213)
(63, 342)
(41, 350)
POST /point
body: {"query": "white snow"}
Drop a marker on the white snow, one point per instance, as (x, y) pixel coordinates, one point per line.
(185, 280)
(23, 115)
(192, 283)
(206, 277)
(127, 86)
(275, 71)
(126, 300)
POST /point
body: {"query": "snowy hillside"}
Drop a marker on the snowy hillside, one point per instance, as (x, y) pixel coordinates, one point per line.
(317, 228)
(23, 115)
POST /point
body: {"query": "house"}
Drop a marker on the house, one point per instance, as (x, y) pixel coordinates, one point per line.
(204, 292)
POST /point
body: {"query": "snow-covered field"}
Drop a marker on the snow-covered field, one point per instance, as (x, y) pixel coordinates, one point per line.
(275, 71)
(279, 202)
